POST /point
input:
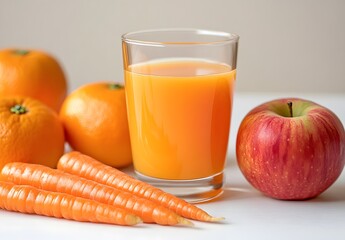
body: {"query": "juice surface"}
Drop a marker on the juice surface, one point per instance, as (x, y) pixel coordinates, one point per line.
(179, 117)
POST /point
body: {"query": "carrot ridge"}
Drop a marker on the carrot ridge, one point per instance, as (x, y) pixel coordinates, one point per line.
(29, 199)
(58, 181)
(87, 167)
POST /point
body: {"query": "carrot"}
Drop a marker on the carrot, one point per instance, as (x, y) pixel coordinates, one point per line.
(58, 181)
(87, 167)
(28, 199)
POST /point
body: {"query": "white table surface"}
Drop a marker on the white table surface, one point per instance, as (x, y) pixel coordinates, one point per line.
(249, 214)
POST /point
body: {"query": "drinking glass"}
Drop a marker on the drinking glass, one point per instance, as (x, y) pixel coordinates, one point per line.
(179, 88)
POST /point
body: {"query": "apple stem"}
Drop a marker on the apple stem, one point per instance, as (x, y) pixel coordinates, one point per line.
(290, 108)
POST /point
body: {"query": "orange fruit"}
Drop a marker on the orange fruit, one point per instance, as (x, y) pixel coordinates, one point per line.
(95, 121)
(34, 74)
(30, 132)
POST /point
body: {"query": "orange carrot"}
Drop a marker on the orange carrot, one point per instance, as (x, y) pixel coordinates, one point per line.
(58, 181)
(87, 167)
(28, 199)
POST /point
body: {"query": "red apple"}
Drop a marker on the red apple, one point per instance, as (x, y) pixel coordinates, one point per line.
(291, 149)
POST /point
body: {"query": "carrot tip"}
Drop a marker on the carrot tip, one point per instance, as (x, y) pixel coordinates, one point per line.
(134, 220)
(139, 220)
(185, 222)
(216, 219)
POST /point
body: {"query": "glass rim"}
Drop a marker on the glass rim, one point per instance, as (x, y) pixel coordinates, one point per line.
(224, 37)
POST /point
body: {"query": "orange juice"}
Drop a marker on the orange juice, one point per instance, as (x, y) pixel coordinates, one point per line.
(179, 117)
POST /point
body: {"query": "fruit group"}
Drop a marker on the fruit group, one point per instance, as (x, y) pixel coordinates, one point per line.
(32, 73)
(291, 148)
(29, 132)
(95, 121)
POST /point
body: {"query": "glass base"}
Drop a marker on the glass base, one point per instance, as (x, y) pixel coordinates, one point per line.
(193, 191)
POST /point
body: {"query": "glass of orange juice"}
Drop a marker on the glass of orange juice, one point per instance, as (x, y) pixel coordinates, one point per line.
(179, 86)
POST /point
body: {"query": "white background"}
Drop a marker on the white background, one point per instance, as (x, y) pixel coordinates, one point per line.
(285, 45)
